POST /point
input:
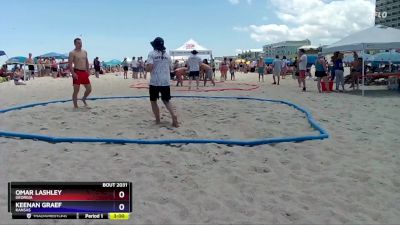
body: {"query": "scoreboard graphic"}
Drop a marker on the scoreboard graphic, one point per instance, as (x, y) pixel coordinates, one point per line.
(70, 200)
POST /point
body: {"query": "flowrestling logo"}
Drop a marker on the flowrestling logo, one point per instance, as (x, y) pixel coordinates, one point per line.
(381, 15)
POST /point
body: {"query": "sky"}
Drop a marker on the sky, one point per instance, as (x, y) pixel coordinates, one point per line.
(123, 28)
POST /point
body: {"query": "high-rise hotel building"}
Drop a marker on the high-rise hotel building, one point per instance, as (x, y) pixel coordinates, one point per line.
(388, 13)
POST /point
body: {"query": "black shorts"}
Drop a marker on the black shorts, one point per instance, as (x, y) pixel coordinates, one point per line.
(155, 93)
(194, 74)
(54, 69)
(320, 74)
(125, 68)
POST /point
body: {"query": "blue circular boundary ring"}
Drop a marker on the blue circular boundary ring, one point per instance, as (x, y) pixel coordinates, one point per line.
(52, 139)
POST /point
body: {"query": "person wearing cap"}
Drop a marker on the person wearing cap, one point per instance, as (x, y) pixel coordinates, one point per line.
(321, 72)
(158, 64)
(194, 62)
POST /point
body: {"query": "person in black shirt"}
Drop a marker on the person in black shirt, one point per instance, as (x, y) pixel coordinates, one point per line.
(96, 64)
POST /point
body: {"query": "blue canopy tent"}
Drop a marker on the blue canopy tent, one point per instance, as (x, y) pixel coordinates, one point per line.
(16, 60)
(268, 60)
(365, 56)
(2, 53)
(289, 62)
(393, 57)
(113, 62)
(53, 55)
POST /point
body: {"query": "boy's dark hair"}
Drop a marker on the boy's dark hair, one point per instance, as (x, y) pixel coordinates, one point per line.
(76, 39)
(158, 44)
(302, 50)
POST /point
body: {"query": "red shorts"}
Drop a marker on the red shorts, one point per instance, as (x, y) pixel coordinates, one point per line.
(302, 74)
(82, 77)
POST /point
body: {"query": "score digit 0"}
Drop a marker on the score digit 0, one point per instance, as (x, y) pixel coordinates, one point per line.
(121, 207)
(121, 194)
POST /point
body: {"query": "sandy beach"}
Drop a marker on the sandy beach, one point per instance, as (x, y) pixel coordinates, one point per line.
(350, 178)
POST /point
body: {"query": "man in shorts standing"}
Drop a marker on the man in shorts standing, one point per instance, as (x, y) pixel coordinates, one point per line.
(260, 69)
(31, 67)
(79, 67)
(276, 68)
(158, 64)
(194, 63)
(302, 68)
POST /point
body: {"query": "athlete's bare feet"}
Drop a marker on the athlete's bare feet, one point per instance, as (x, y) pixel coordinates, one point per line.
(175, 121)
(84, 102)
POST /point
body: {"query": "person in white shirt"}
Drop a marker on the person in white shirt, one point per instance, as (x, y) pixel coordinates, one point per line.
(194, 62)
(135, 68)
(302, 68)
(277, 68)
(158, 64)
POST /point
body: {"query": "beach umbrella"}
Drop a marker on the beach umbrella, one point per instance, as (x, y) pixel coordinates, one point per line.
(54, 55)
(113, 62)
(268, 60)
(365, 56)
(393, 57)
(16, 60)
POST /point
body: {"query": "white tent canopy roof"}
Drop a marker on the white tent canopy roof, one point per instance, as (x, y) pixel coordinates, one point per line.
(188, 47)
(377, 37)
(308, 47)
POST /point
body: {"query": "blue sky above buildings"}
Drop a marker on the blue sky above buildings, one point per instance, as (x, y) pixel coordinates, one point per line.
(114, 29)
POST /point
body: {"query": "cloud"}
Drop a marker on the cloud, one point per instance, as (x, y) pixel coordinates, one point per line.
(321, 21)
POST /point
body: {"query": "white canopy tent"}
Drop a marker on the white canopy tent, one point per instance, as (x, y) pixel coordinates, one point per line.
(186, 49)
(375, 38)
